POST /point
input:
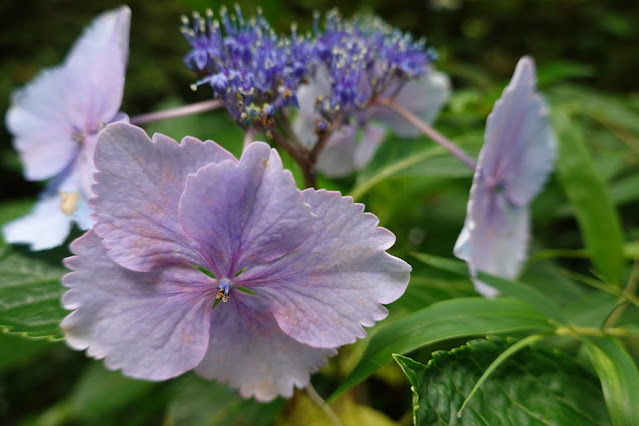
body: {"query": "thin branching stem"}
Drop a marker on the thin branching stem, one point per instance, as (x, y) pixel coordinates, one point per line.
(428, 131)
(182, 111)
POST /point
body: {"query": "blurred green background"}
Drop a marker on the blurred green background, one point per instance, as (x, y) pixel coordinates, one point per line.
(577, 44)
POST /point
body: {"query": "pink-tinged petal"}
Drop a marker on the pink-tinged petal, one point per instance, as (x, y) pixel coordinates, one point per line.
(139, 185)
(519, 144)
(372, 138)
(323, 292)
(248, 350)
(336, 159)
(150, 325)
(96, 68)
(424, 97)
(494, 238)
(45, 227)
(247, 212)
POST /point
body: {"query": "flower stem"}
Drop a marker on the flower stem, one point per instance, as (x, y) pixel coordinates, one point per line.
(182, 111)
(428, 131)
(312, 393)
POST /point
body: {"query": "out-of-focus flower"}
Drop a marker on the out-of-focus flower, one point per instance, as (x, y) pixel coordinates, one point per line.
(55, 121)
(515, 162)
(183, 227)
(352, 146)
(253, 70)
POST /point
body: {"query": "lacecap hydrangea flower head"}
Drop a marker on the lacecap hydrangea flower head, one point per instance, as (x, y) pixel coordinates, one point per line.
(55, 120)
(360, 60)
(199, 261)
(517, 157)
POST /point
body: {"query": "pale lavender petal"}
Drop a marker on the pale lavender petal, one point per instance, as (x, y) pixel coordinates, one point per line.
(307, 95)
(139, 185)
(248, 350)
(150, 325)
(96, 68)
(519, 146)
(44, 228)
(323, 292)
(72, 99)
(247, 212)
(41, 129)
(336, 159)
(372, 138)
(424, 97)
(494, 238)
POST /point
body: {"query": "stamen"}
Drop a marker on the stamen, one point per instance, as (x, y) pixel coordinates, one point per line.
(69, 202)
(223, 290)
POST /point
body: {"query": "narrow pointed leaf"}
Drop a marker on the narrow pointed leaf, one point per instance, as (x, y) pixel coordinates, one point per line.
(593, 206)
(619, 378)
(510, 288)
(442, 321)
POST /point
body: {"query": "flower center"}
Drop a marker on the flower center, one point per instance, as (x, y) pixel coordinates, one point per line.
(223, 289)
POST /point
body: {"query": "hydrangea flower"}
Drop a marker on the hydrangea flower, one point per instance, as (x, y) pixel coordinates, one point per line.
(199, 261)
(254, 71)
(515, 162)
(55, 121)
(365, 57)
(352, 146)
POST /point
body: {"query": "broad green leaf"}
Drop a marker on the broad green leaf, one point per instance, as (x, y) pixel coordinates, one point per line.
(441, 321)
(30, 293)
(205, 402)
(534, 386)
(619, 378)
(595, 213)
(16, 349)
(509, 288)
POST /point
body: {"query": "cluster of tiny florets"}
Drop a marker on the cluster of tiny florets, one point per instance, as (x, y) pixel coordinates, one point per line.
(251, 68)
(256, 72)
(364, 57)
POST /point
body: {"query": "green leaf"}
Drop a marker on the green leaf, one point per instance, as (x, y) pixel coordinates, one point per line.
(594, 210)
(100, 391)
(534, 386)
(204, 402)
(414, 158)
(30, 292)
(509, 288)
(552, 72)
(441, 321)
(619, 378)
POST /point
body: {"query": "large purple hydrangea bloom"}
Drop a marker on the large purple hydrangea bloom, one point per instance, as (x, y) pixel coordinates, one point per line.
(202, 261)
(55, 121)
(515, 162)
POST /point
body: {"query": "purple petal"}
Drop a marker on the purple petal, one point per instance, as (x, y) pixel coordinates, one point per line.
(151, 325)
(424, 97)
(248, 350)
(45, 227)
(323, 292)
(519, 146)
(494, 238)
(247, 212)
(139, 185)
